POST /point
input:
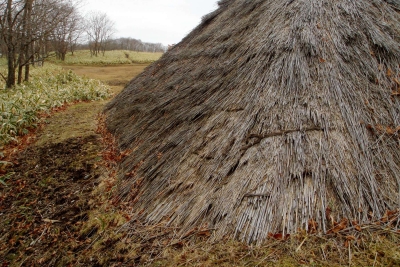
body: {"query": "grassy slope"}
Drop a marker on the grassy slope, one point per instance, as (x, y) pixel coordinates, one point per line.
(64, 213)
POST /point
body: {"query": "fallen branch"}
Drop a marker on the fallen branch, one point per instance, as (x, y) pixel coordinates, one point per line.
(4, 77)
(284, 132)
(259, 138)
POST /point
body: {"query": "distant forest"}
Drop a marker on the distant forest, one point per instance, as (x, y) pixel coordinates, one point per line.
(131, 44)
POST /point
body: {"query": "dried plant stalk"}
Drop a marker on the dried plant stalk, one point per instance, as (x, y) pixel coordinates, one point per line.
(257, 121)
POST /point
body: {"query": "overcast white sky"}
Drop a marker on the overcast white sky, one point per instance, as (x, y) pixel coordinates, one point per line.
(155, 21)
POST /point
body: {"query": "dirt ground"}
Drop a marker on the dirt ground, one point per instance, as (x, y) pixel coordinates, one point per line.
(58, 209)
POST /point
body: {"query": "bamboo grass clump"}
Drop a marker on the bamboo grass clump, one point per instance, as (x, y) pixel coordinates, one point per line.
(266, 116)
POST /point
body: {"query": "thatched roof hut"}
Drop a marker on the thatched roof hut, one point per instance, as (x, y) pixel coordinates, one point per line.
(270, 114)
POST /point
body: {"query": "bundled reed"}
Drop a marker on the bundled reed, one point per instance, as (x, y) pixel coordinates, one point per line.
(269, 115)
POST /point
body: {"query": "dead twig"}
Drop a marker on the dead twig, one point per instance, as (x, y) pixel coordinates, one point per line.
(4, 77)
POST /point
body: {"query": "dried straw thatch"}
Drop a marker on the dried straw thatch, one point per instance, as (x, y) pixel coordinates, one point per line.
(269, 114)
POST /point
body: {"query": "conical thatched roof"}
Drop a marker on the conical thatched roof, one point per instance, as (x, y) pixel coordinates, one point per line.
(269, 114)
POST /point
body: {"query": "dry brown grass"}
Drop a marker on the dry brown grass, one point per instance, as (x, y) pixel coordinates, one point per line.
(139, 245)
(116, 76)
(268, 115)
(300, 250)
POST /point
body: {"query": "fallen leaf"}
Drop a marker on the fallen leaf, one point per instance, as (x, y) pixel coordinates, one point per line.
(339, 227)
(190, 232)
(206, 233)
(312, 226)
(391, 213)
(356, 226)
(389, 72)
(390, 131)
(351, 237)
(279, 236)
(178, 244)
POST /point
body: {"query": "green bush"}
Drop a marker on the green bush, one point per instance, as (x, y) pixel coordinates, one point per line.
(50, 87)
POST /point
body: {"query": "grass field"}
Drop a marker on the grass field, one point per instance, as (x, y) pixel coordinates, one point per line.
(115, 57)
(116, 76)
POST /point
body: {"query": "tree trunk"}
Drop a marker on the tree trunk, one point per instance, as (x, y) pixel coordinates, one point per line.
(29, 46)
(22, 44)
(20, 70)
(11, 69)
(10, 48)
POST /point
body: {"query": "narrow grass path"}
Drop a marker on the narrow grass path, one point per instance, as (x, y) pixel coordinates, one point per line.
(45, 210)
(80, 120)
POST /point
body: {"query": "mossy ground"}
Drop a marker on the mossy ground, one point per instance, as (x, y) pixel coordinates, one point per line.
(58, 209)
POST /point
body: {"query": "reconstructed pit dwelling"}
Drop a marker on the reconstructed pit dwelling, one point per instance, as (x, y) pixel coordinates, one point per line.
(267, 115)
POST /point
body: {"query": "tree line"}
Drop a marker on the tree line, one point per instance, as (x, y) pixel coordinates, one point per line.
(33, 30)
(123, 43)
(134, 45)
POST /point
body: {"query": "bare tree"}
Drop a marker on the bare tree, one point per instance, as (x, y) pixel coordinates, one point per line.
(99, 29)
(25, 39)
(3, 47)
(26, 28)
(10, 24)
(135, 45)
(59, 21)
(67, 32)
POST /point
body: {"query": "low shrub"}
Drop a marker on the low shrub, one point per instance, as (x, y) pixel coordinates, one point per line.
(50, 87)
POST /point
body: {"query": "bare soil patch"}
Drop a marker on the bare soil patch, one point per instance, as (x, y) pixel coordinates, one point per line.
(47, 200)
